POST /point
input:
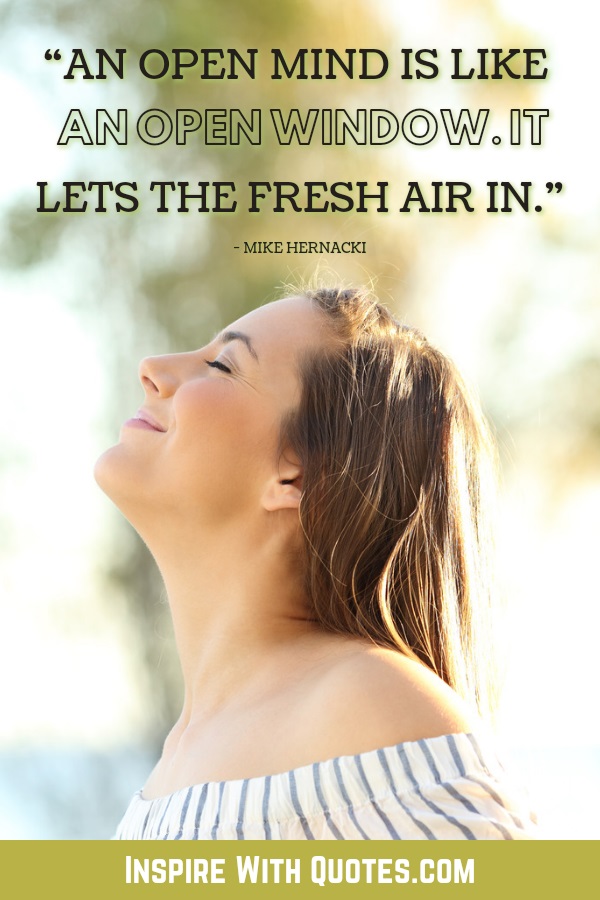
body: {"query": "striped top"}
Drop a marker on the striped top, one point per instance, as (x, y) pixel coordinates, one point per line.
(443, 788)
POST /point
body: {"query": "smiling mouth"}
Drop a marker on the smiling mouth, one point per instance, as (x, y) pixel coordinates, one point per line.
(142, 419)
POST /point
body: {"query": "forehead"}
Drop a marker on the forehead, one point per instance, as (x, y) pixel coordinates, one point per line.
(284, 328)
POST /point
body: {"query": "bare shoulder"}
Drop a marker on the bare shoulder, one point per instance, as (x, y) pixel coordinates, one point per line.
(371, 697)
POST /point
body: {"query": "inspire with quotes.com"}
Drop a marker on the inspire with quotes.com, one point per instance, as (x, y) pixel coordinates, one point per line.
(320, 870)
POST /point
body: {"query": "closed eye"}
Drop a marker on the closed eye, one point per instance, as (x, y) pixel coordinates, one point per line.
(215, 364)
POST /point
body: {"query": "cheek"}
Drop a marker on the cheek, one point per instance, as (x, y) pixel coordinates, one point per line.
(204, 414)
(224, 434)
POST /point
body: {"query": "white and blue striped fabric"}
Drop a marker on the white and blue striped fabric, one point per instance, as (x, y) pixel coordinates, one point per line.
(442, 788)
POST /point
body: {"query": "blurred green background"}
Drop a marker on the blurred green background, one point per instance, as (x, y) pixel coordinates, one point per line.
(89, 680)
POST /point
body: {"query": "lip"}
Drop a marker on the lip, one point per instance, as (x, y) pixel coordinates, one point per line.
(144, 420)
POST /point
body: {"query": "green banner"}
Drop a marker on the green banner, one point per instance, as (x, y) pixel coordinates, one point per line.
(297, 869)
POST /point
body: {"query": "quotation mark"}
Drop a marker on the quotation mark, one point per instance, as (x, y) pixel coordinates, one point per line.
(49, 55)
(551, 186)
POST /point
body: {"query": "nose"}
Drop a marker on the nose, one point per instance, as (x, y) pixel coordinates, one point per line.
(160, 375)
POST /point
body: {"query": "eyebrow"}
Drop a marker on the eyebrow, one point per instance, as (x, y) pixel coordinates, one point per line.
(228, 336)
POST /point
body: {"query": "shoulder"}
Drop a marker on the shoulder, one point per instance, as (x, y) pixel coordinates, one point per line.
(370, 697)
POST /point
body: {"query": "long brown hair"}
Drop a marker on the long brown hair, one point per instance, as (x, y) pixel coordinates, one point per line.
(397, 460)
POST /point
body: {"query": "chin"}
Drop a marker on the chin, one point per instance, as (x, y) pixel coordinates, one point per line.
(120, 475)
(102, 470)
(115, 477)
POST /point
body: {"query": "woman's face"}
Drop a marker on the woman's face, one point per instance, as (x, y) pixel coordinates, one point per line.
(205, 441)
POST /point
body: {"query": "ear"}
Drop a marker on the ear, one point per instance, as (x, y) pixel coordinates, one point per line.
(284, 490)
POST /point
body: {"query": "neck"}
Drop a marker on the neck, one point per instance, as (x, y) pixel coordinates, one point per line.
(235, 614)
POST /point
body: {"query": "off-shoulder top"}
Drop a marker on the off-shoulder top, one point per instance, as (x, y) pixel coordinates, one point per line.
(444, 788)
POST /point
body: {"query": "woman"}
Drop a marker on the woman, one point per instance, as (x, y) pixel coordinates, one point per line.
(310, 485)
